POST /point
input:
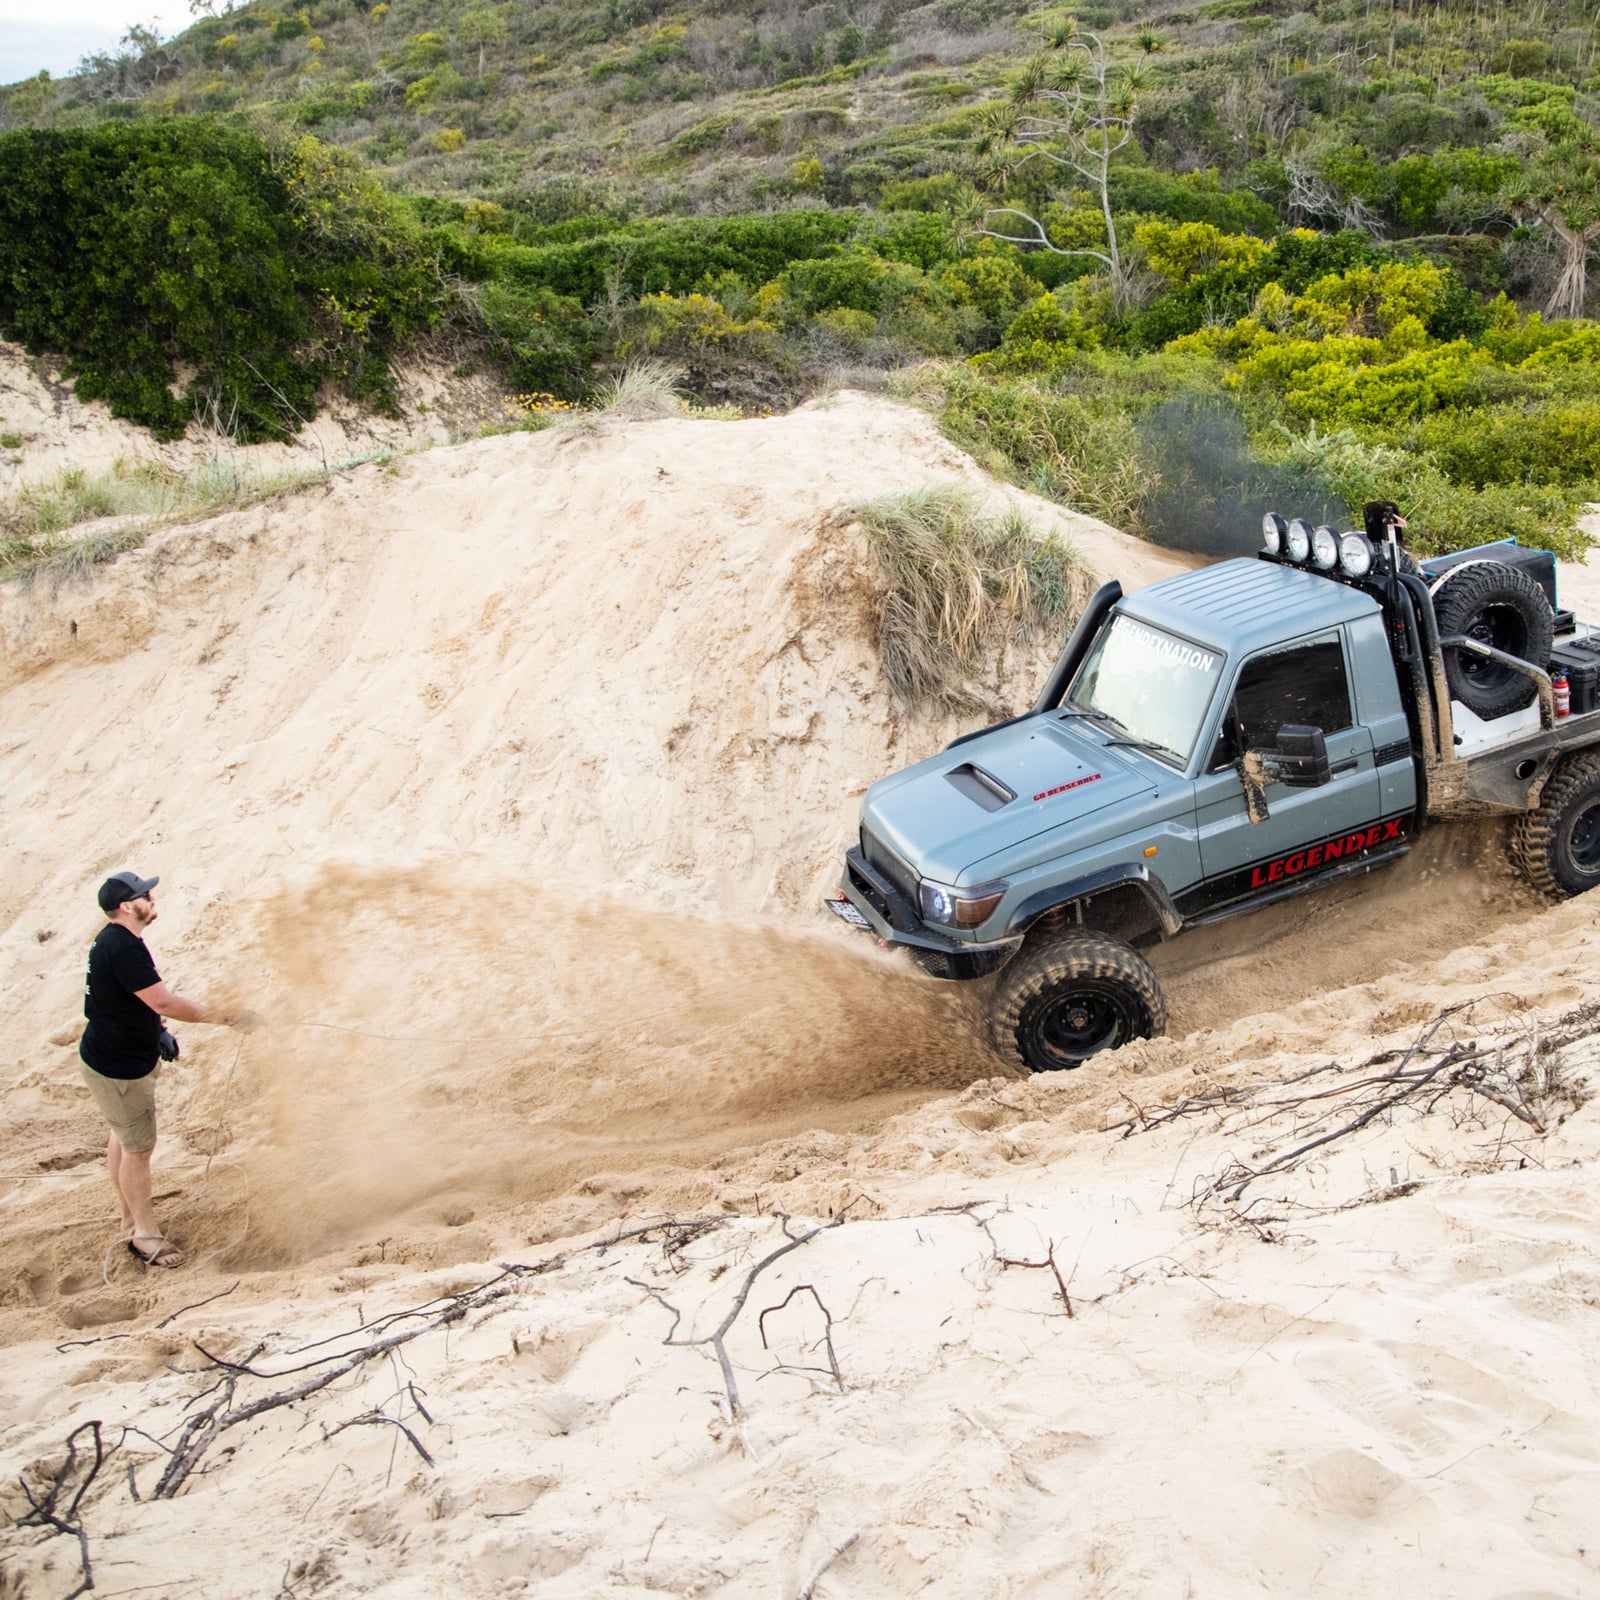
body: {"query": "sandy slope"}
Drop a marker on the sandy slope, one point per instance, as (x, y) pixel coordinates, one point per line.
(503, 783)
(55, 431)
(515, 772)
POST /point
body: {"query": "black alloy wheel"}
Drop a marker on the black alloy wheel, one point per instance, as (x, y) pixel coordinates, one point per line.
(1063, 1027)
(1070, 997)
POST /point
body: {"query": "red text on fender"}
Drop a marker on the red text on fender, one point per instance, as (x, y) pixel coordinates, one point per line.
(1319, 855)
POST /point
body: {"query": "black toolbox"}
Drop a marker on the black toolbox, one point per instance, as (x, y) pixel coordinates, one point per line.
(1540, 565)
(1580, 660)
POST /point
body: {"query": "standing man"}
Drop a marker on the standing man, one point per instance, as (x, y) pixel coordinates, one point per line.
(125, 1001)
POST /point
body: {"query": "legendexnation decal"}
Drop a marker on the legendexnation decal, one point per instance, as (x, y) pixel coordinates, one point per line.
(1178, 650)
(1061, 788)
(1319, 855)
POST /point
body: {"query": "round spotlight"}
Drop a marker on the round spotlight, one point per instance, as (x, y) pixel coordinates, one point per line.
(1325, 548)
(1355, 555)
(1297, 541)
(1272, 529)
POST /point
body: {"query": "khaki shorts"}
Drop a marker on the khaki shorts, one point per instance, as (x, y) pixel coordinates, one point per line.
(128, 1104)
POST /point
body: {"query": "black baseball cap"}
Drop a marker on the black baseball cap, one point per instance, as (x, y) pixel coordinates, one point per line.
(122, 886)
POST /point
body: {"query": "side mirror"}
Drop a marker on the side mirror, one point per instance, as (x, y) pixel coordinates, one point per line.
(1302, 757)
(1299, 760)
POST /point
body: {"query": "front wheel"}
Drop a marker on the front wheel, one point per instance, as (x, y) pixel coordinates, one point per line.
(1557, 847)
(1069, 999)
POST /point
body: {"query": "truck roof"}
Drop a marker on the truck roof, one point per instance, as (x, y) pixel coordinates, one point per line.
(1244, 605)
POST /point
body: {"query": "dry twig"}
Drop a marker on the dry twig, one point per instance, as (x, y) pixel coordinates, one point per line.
(203, 1427)
(832, 1369)
(48, 1512)
(1421, 1077)
(809, 1587)
(717, 1338)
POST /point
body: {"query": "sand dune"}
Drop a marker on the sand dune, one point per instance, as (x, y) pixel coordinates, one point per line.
(503, 781)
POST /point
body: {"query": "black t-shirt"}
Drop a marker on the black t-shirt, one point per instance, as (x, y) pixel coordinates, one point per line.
(124, 1034)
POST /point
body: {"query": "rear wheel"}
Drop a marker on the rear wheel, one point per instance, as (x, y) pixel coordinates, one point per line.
(1557, 847)
(1066, 1000)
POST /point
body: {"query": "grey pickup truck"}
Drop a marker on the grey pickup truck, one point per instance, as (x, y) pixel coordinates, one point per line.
(1221, 740)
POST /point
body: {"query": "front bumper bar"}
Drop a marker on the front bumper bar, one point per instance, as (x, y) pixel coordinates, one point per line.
(895, 921)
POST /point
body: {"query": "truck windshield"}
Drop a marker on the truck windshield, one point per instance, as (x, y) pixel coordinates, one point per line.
(1149, 682)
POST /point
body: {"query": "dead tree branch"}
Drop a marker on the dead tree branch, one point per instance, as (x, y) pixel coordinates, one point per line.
(1050, 1262)
(221, 1294)
(201, 1429)
(832, 1369)
(48, 1511)
(375, 1419)
(1515, 1064)
(809, 1587)
(717, 1338)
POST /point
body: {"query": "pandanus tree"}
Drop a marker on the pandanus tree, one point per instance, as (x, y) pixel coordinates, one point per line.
(1559, 190)
(1074, 107)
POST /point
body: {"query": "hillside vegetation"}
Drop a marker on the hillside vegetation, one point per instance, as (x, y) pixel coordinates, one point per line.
(1162, 266)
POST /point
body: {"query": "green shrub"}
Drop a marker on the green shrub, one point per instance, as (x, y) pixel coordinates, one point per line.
(695, 326)
(1042, 339)
(133, 247)
(544, 338)
(995, 284)
(1223, 295)
(1075, 449)
(702, 136)
(1442, 515)
(944, 191)
(857, 280)
(1190, 197)
(649, 258)
(1553, 443)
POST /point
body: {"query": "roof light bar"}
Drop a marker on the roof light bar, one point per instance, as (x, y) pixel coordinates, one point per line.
(1355, 555)
(1297, 541)
(1272, 530)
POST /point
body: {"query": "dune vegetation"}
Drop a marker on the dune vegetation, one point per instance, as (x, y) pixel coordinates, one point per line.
(1163, 268)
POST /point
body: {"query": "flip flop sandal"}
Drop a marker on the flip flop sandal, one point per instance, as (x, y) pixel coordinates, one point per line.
(165, 1254)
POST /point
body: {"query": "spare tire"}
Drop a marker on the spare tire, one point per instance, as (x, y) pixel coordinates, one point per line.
(1502, 607)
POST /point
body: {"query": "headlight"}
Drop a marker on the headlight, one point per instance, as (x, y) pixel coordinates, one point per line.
(1297, 541)
(1272, 526)
(1325, 548)
(959, 908)
(1355, 555)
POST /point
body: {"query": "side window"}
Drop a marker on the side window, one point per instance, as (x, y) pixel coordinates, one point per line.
(1305, 684)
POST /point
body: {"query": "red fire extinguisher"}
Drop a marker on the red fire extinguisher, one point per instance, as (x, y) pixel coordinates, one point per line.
(1562, 690)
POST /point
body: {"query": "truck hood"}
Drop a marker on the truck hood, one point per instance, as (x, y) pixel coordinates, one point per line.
(949, 812)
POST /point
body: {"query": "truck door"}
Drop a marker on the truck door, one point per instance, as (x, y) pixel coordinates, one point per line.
(1307, 831)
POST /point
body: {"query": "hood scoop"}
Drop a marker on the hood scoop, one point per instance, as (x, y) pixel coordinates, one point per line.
(981, 787)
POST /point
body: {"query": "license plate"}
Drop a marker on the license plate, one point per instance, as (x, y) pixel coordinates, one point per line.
(848, 913)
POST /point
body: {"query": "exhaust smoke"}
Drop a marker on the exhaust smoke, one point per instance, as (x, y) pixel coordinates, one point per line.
(1212, 487)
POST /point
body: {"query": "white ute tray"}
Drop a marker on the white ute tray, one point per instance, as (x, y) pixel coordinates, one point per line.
(1474, 735)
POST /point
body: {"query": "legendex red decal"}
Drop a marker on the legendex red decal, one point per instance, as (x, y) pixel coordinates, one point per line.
(1318, 855)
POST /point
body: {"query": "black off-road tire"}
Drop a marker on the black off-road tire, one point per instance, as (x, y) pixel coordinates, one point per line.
(1065, 1000)
(1557, 847)
(1500, 606)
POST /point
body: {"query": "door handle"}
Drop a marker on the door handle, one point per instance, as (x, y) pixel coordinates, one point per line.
(1349, 764)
